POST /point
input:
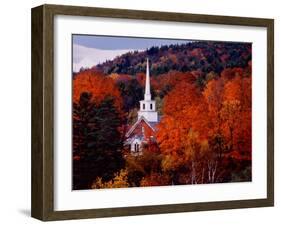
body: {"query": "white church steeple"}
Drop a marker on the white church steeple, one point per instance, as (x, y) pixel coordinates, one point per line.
(147, 95)
(147, 106)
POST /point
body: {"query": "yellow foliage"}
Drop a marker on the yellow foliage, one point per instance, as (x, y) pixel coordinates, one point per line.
(120, 180)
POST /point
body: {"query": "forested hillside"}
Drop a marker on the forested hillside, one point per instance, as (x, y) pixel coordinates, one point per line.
(203, 56)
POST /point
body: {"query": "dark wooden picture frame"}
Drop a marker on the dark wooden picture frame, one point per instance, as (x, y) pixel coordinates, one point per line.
(42, 203)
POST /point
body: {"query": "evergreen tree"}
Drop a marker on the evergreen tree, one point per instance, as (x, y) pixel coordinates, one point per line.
(132, 93)
(96, 141)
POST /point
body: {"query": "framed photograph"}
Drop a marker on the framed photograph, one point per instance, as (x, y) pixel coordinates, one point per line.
(141, 112)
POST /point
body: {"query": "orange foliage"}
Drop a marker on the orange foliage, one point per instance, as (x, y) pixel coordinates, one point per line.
(123, 78)
(186, 105)
(239, 89)
(229, 109)
(230, 73)
(237, 114)
(155, 179)
(181, 99)
(213, 95)
(184, 109)
(222, 109)
(171, 79)
(98, 85)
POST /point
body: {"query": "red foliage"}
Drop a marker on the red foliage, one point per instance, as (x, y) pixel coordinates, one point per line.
(222, 109)
(98, 85)
(230, 73)
(141, 78)
(171, 79)
(184, 109)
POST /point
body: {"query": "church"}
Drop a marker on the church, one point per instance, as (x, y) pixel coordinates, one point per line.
(143, 131)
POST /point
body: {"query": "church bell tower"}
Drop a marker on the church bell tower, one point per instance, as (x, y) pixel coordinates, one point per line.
(147, 106)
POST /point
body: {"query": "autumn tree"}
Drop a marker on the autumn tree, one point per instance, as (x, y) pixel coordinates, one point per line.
(213, 96)
(141, 167)
(183, 117)
(120, 180)
(97, 84)
(97, 119)
(236, 111)
(229, 104)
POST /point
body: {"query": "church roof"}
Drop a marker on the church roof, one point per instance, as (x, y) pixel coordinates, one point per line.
(151, 125)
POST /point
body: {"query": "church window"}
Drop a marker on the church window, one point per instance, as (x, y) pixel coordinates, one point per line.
(143, 106)
(150, 106)
(136, 147)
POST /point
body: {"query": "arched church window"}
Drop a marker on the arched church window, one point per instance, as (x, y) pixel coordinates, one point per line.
(150, 106)
(143, 106)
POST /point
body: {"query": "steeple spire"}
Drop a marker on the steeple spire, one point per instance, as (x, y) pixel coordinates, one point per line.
(148, 106)
(147, 95)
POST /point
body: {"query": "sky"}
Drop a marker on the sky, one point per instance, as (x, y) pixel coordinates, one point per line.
(90, 50)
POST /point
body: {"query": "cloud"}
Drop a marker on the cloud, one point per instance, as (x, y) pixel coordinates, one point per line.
(88, 57)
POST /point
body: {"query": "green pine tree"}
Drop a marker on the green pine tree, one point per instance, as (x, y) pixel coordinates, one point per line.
(96, 141)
